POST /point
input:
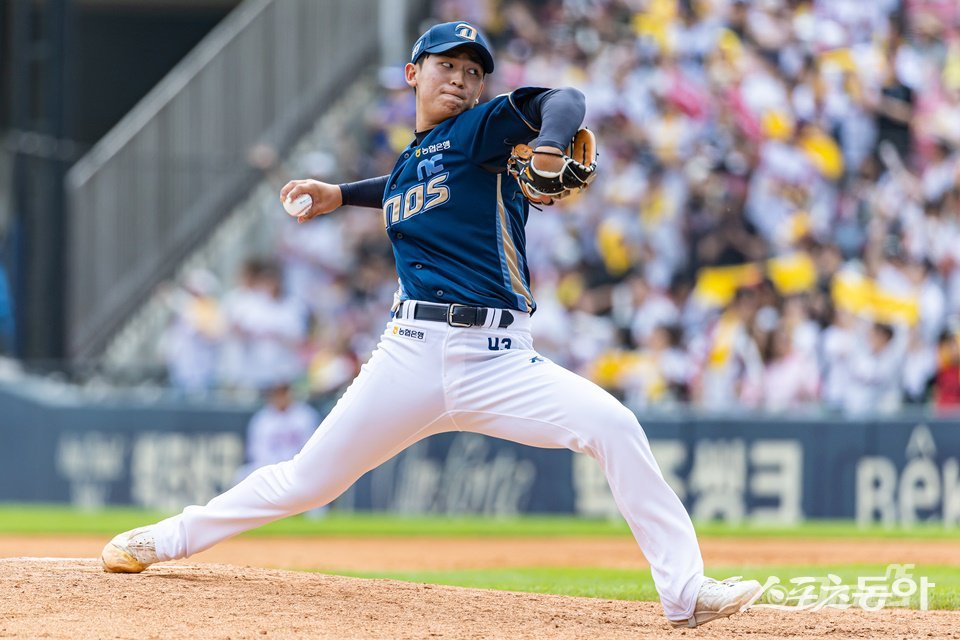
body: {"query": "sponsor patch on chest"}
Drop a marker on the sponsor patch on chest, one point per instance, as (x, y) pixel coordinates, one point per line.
(433, 148)
(411, 334)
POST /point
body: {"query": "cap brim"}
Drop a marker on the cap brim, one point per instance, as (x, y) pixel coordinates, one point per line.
(479, 48)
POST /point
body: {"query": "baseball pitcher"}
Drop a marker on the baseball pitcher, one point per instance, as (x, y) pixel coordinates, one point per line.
(457, 353)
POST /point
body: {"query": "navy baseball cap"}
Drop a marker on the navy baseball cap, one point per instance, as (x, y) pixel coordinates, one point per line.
(446, 36)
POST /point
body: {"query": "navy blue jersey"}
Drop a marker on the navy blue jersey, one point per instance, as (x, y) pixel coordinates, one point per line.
(455, 217)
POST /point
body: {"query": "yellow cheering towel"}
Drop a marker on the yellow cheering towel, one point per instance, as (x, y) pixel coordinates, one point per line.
(792, 273)
(862, 296)
(824, 152)
(716, 285)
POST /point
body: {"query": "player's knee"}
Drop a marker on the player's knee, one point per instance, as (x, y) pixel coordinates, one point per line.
(623, 423)
(615, 426)
(308, 488)
(290, 488)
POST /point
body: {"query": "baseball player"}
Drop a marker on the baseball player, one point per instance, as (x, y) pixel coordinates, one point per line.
(457, 353)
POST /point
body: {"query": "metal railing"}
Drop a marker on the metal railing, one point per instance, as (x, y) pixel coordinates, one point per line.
(158, 183)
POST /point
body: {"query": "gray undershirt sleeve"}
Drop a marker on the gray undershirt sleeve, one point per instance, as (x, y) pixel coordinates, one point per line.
(559, 113)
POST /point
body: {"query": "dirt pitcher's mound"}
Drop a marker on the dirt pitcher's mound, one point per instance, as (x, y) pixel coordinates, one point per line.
(73, 598)
(340, 553)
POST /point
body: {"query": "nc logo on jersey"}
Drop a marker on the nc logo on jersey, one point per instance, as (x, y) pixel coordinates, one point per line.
(429, 166)
(466, 31)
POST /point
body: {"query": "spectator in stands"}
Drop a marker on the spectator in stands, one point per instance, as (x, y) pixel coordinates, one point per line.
(894, 109)
(661, 373)
(650, 310)
(791, 379)
(919, 368)
(837, 346)
(875, 385)
(191, 344)
(276, 327)
(236, 370)
(279, 429)
(947, 387)
(730, 370)
(333, 362)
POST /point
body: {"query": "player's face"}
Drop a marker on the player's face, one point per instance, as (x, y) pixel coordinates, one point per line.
(447, 84)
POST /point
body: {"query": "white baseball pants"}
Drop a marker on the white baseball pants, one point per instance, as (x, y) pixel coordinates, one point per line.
(428, 377)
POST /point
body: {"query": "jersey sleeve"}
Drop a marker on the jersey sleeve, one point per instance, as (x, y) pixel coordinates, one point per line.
(493, 128)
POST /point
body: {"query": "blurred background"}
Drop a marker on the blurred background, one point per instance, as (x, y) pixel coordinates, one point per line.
(767, 268)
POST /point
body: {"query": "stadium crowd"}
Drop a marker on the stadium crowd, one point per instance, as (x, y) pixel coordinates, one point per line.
(774, 226)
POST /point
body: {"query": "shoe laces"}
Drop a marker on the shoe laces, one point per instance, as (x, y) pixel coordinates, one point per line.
(726, 581)
(713, 588)
(142, 544)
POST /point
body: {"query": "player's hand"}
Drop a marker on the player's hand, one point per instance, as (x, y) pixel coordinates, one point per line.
(546, 161)
(326, 197)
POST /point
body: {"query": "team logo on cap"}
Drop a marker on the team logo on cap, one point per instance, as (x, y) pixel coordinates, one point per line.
(416, 48)
(465, 31)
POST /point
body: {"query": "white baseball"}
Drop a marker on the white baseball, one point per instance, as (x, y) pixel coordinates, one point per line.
(298, 207)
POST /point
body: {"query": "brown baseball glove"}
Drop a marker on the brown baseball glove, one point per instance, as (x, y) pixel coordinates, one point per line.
(578, 171)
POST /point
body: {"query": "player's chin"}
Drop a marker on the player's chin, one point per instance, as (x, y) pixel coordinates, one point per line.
(452, 104)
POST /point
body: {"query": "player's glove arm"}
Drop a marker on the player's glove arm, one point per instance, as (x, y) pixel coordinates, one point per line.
(365, 193)
(559, 112)
(548, 169)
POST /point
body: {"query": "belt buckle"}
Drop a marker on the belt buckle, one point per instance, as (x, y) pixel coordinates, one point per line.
(450, 320)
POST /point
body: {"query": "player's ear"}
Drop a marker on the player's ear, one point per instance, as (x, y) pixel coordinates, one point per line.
(410, 74)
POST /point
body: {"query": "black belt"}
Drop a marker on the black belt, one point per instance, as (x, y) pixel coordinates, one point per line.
(458, 315)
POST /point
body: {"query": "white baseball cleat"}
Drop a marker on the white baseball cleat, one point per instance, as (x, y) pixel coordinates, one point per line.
(130, 552)
(721, 599)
